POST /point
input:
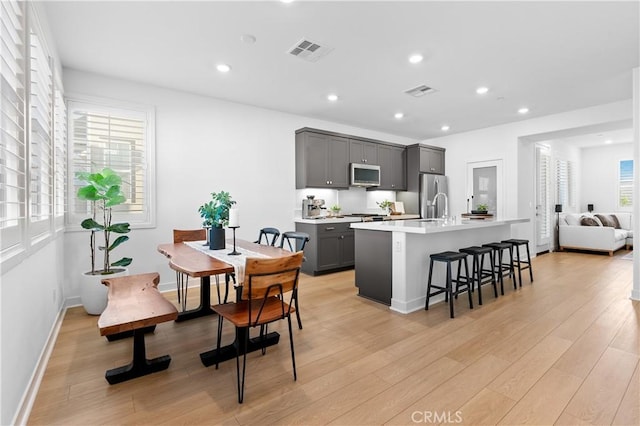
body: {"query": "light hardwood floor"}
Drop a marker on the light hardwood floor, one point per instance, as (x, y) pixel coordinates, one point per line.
(563, 350)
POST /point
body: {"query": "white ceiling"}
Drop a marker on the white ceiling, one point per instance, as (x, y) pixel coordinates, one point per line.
(548, 56)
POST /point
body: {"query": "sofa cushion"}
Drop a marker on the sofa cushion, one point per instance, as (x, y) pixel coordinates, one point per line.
(620, 234)
(609, 220)
(588, 221)
(572, 219)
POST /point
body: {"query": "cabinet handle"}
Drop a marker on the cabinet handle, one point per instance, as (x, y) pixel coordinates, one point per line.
(330, 228)
(342, 237)
(433, 169)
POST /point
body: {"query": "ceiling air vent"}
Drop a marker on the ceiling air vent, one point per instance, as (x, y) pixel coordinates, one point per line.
(420, 91)
(309, 51)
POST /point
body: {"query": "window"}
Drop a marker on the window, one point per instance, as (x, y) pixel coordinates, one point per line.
(543, 204)
(121, 138)
(565, 183)
(12, 110)
(625, 184)
(29, 150)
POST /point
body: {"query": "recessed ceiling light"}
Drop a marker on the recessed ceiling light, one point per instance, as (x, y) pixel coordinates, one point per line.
(523, 110)
(444, 128)
(398, 115)
(415, 58)
(482, 90)
(223, 67)
(286, 1)
(332, 97)
(608, 141)
(248, 38)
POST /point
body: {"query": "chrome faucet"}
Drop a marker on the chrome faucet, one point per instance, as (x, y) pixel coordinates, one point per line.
(446, 203)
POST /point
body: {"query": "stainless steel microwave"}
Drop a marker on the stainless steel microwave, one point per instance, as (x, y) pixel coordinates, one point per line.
(365, 175)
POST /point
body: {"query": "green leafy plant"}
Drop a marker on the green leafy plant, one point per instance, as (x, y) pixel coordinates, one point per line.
(482, 207)
(385, 204)
(102, 189)
(336, 208)
(216, 212)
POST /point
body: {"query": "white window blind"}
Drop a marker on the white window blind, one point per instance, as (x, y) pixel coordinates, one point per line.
(12, 110)
(565, 183)
(122, 139)
(543, 211)
(41, 141)
(60, 143)
(625, 184)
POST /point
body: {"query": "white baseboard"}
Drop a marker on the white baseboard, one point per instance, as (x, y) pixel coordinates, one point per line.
(29, 396)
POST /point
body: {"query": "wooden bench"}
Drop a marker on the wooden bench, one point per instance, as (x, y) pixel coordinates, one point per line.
(134, 304)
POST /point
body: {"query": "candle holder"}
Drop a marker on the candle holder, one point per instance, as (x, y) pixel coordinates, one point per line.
(234, 252)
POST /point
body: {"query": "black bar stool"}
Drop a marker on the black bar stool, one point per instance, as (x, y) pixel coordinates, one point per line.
(502, 268)
(461, 281)
(480, 275)
(517, 262)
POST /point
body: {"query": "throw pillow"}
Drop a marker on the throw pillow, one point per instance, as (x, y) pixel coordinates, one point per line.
(609, 221)
(616, 222)
(572, 220)
(588, 221)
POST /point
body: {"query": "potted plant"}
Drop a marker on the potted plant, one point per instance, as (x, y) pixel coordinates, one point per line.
(386, 206)
(335, 210)
(102, 190)
(216, 216)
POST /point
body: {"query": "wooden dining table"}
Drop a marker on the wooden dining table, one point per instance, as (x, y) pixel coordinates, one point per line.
(198, 264)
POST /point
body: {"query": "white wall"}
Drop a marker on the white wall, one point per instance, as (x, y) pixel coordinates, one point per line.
(205, 145)
(504, 142)
(600, 175)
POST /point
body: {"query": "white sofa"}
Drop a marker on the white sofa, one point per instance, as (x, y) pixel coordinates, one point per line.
(574, 235)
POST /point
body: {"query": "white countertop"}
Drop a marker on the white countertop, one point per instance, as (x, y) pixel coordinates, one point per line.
(326, 220)
(431, 226)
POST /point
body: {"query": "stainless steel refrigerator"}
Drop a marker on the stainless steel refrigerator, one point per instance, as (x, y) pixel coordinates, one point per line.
(430, 185)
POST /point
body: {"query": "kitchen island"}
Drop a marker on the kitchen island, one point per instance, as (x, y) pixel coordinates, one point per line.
(392, 258)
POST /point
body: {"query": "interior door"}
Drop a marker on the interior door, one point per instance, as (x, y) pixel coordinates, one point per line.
(484, 183)
(543, 199)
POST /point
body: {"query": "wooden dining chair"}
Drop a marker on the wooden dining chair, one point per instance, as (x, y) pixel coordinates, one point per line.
(182, 280)
(270, 236)
(295, 241)
(266, 280)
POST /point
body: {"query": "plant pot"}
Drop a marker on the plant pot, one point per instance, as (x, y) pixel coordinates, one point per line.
(216, 238)
(93, 293)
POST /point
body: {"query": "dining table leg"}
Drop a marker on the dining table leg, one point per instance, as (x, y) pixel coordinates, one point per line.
(229, 351)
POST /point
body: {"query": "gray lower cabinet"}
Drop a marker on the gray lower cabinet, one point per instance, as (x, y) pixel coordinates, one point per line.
(373, 265)
(331, 247)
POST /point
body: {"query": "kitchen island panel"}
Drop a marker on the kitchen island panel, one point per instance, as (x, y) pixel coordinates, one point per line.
(374, 277)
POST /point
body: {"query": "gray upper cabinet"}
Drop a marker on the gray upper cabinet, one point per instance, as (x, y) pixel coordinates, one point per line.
(363, 152)
(432, 160)
(322, 160)
(393, 168)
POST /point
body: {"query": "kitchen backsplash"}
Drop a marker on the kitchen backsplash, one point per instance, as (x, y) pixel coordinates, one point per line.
(353, 200)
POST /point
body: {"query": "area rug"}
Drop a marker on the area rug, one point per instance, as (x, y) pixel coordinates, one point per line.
(628, 256)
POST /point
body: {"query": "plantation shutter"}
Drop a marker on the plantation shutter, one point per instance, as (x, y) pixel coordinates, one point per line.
(543, 210)
(625, 184)
(118, 138)
(41, 140)
(60, 143)
(12, 110)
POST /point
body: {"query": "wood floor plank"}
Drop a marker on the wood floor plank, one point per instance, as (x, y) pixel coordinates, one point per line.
(516, 380)
(629, 410)
(597, 400)
(545, 401)
(360, 363)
